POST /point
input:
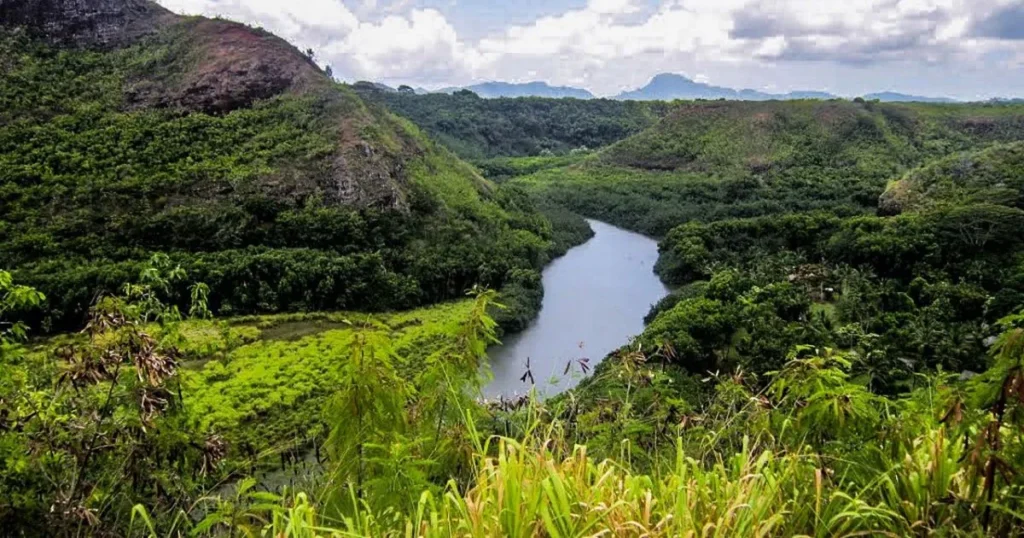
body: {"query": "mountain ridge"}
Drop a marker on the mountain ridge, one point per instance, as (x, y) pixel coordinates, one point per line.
(666, 87)
(670, 86)
(897, 97)
(498, 89)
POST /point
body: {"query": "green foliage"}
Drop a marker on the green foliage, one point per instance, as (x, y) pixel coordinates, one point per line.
(265, 396)
(654, 202)
(521, 299)
(97, 424)
(14, 298)
(501, 169)
(480, 129)
(992, 175)
(250, 202)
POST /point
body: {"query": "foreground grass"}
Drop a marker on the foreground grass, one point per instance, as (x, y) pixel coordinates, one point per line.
(528, 489)
(261, 382)
(813, 454)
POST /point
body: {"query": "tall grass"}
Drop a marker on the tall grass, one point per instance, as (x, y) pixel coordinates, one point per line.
(800, 457)
(535, 487)
(526, 489)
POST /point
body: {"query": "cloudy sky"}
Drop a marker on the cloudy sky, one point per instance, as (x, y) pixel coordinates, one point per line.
(968, 49)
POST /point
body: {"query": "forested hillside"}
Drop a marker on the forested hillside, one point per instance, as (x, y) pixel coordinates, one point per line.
(889, 229)
(231, 151)
(478, 129)
(714, 160)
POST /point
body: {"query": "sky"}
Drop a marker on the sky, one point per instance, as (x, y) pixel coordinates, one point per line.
(966, 49)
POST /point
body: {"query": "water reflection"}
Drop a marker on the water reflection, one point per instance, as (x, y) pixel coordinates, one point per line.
(595, 298)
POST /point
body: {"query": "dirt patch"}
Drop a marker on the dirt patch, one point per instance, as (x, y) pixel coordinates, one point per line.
(224, 66)
(290, 331)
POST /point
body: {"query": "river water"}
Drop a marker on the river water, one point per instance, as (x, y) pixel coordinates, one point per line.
(595, 299)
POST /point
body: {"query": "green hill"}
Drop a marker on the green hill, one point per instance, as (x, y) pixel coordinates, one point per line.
(126, 130)
(779, 238)
(714, 160)
(995, 174)
(476, 128)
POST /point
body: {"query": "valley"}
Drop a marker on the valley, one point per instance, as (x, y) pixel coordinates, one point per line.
(240, 298)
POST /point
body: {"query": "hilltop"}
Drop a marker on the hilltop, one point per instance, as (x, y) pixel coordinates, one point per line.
(993, 175)
(126, 130)
(721, 159)
(771, 137)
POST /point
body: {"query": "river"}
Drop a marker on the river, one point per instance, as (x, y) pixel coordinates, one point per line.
(595, 299)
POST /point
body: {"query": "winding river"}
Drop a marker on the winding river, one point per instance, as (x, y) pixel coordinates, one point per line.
(595, 299)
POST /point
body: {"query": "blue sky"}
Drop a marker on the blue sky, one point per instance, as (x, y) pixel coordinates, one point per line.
(968, 49)
(475, 19)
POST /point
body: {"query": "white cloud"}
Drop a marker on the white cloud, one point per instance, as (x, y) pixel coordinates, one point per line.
(307, 22)
(422, 46)
(613, 7)
(610, 45)
(771, 47)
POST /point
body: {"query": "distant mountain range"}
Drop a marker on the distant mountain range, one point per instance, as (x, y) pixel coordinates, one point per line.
(491, 90)
(893, 97)
(667, 87)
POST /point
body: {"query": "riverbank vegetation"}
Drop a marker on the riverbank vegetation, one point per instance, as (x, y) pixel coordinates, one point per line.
(812, 454)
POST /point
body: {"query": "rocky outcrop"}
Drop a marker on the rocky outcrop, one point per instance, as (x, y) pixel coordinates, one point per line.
(897, 197)
(222, 66)
(216, 65)
(86, 23)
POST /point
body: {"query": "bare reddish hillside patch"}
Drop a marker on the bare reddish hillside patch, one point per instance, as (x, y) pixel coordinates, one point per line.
(227, 66)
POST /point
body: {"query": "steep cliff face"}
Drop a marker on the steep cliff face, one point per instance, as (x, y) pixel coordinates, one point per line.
(86, 23)
(215, 66)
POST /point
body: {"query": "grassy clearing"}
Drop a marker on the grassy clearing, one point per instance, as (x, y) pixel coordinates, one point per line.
(261, 391)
